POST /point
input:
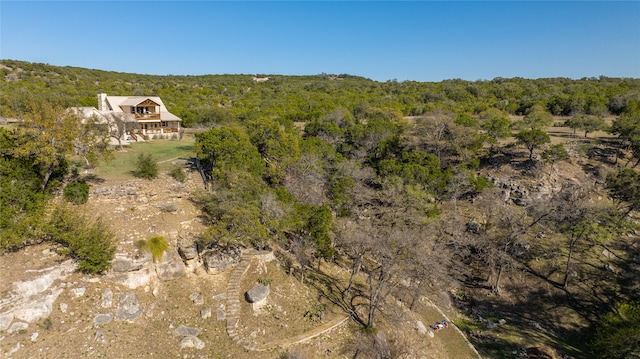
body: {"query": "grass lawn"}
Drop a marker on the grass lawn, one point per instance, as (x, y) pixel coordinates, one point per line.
(163, 151)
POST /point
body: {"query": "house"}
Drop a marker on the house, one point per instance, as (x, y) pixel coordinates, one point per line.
(133, 117)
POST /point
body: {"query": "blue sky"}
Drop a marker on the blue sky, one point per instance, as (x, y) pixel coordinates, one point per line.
(380, 40)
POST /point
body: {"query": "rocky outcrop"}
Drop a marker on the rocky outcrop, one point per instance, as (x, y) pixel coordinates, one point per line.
(188, 249)
(33, 299)
(216, 260)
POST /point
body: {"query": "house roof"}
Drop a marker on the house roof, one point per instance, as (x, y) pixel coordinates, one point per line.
(114, 103)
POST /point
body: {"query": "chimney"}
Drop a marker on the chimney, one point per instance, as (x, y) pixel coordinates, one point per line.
(102, 102)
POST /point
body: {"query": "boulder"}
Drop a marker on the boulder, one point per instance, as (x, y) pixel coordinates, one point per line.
(122, 263)
(473, 227)
(172, 267)
(422, 329)
(187, 249)
(134, 279)
(257, 294)
(107, 298)
(102, 319)
(220, 313)
(191, 342)
(216, 261)
(187, 331)
(205, 313)
(129, 308)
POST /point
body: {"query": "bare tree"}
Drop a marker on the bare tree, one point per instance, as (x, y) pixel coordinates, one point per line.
(119, 126)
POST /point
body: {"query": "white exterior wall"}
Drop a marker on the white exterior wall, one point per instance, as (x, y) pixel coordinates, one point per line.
(102, 102)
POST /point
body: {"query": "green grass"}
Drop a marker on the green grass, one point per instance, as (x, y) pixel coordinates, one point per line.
(124, 162)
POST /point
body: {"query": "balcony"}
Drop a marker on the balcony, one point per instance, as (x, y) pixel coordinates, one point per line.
(147, 116)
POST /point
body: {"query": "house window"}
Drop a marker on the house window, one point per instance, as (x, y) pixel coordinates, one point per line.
(164, 123)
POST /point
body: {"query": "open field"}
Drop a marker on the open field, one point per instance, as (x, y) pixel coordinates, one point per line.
(168, 154)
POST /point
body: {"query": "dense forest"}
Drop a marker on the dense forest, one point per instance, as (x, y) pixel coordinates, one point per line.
(504, 194)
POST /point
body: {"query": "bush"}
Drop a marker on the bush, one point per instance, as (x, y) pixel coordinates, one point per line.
(155, 245)
(89, 241)
(178, 174)
(77, 192)
(147, 167)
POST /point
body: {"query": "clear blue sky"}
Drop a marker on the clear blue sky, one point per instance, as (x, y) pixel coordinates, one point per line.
(417, 40)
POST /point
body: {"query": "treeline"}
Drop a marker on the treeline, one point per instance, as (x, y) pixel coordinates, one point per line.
(215, 98)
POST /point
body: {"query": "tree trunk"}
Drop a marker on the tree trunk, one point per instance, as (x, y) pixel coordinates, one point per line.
(354, 272)
(496, 285)
(565, 282)
(46, 178)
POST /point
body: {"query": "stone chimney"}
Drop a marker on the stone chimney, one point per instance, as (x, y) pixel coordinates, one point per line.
(102, 102)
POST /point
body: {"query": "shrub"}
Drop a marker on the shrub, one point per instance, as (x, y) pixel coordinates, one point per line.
(155, 245)
(147, 167)
(178, 174)
(89, 241)
(77, 192)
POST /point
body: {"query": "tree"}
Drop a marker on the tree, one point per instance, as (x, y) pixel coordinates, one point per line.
(119, 126)
(532, 139)
(92, 141)
(624, 187)
(586, 123)
(22, 203)
(146, 167)
(555, 153)
(227, 148)
(278, 148)
(48, 136)
(496, 125)
(87, 240)
(627, 127)
(618, 333)
(537, 117)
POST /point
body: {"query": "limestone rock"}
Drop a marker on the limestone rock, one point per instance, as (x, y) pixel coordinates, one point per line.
(107, 298)
(205, 313)
(43, 282)
(129, 308)
(17, 326)
(187, 249)
(258, 293)
(123, 263)
(63, 307)
(102, 319)
(187, 331)
(196, 298)
(172, 268)
(134, 279)
(216, 261)
(191, 342)
(220, 313)
(79, 292)
(422, 329)
(5, 320)
(37, 308)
